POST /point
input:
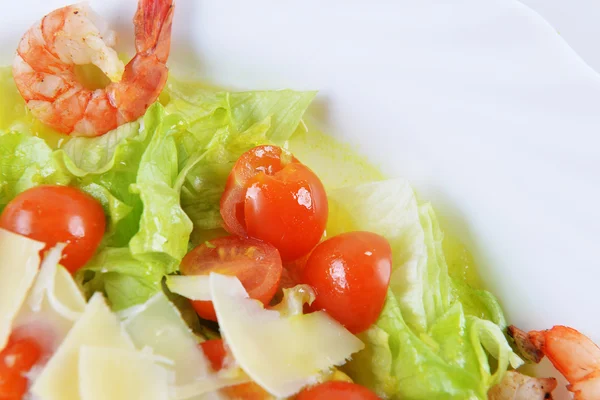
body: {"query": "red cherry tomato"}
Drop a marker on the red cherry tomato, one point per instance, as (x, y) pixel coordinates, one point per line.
(350, 274)
(214, 350)
(337, 390)
(257, 265)
(53, 214)
(271, 196)
(17, 358)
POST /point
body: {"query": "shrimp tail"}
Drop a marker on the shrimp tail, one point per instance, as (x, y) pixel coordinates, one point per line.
(153, 21)
(527, 348)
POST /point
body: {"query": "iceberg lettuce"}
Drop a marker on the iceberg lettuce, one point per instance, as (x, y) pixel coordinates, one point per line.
(435, 337)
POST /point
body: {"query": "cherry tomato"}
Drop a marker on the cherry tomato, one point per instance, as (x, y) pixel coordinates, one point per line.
(58, 214)
(214, 350)
(337, 390)
(257, 265)
(18, 357)
(350, 274)
(271, 196)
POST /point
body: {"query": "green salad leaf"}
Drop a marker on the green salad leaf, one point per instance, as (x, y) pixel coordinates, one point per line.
(225, 125)
(435, 334)
(157, 178)
(26, 161)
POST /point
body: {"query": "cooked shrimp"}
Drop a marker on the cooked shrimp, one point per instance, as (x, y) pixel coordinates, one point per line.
(44, 68)
(516, 386)
(574, 355)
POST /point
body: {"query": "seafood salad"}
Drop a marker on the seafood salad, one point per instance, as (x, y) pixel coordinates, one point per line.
(163, 239)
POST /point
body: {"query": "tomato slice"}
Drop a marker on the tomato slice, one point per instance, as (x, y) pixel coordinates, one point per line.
(214, 350)
(271, 196)
(53, 214)
(350, 274)
(266, 159)
(17, 358)
(337, 390)
(256, 264)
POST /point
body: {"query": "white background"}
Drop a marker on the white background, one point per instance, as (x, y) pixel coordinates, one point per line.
(577, 21)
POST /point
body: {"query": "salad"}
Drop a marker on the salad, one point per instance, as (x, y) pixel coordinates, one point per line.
(161, 239)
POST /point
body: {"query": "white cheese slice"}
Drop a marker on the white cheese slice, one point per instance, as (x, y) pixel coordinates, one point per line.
(56, 285)
(118, 374)
(19, 262)
(193, 287)
(97, 326)
(157, 324)
(280, 354)
(54, 302)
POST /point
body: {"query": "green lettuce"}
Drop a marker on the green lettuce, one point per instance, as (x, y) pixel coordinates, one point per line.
(225, 125)
(436, 336)
(26, 161)
(157, 178)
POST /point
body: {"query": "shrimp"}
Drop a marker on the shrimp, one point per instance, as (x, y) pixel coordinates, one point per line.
(573, 354)
(44, 68)
(516, 386)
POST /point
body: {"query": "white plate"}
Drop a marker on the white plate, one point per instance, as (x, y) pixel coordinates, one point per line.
(478, 102)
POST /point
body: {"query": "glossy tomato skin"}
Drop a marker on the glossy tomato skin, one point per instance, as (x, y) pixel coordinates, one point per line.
(350, 274)
(16, 359)
(288, 209)
(271, 196)
(58, 214)
(266, 159)
(337, 390)
(256, 264)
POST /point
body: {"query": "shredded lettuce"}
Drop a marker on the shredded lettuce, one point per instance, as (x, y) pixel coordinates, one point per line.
(435, 336)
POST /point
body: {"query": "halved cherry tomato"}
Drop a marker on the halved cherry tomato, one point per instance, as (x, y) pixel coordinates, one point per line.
(337, 390)
(58, 214)
(17, 358)
(256, 264)
(271, 196)
(215, 352)
(350, 274)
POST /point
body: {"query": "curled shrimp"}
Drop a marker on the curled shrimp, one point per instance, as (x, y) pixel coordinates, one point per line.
(44, 68)
(573, 354)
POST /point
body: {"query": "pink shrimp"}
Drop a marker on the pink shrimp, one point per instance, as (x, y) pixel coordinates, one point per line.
(44, 68)
(572, 353)
(575, 356)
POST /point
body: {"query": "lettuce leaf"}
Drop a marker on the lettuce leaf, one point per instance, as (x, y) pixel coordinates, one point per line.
(434, 335)
(146, 162)
(156, 178)
(125, 279)
(26, 161)
(225, 125)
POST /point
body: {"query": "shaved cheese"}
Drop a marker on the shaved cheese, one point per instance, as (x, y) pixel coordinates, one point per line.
(280, 354)
(97, 326)
(193, 287)
(158, 325)
(19, 262)
(118, 374)
(56, 284)
(54, 302)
